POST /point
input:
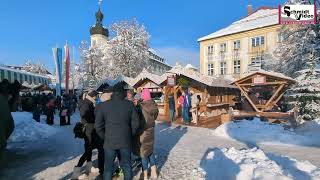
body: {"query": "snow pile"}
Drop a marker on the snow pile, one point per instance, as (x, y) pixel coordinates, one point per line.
(256, 131)
(27, 129)
(254, 164)
(310, 128)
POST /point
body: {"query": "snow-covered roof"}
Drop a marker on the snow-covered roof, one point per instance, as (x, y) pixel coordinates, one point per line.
(120, 78)
(197, 76)
(261, 18)
(147, 75)
(190, 66)
(23, 72)
(153, 51)
(268, 73)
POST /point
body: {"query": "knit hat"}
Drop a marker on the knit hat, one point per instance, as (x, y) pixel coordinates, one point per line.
(145, 94)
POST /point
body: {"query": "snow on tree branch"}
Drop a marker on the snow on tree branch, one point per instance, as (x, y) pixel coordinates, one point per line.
(125, 53)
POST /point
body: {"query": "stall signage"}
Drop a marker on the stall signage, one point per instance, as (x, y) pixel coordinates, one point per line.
(171, 81)
(259, 79)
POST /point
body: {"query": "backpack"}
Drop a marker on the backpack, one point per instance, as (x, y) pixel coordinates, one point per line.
(79, 130)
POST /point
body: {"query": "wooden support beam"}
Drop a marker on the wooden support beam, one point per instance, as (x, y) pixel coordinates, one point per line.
(265, 84)
(248, 98)
(274, 95)
(245, 79)
(278, 99)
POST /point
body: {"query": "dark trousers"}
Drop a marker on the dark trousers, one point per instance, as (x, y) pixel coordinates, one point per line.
(50, 118)
(149, 160)
(125, 163)
(171, 115)
(68, 119)
(62, 120)
(87, 155)
(185, 114)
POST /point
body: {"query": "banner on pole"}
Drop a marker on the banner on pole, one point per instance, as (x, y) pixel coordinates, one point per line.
(57, 56)
(67, 65)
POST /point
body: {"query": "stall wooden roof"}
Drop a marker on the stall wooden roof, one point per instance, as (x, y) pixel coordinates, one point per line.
(275, 75)
(197, 76)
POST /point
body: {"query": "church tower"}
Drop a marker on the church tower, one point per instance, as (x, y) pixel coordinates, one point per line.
(98, 33)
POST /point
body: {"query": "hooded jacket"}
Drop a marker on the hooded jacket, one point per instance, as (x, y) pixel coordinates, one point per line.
(144, 143)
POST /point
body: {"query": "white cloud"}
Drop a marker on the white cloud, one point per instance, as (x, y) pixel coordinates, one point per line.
(179, 54)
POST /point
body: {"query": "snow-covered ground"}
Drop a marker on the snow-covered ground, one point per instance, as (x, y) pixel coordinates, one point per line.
(182, 153)
(27, 129)
(254, 164)
(258, 132)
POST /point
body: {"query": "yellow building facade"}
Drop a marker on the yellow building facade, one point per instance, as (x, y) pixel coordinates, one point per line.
(241, 47)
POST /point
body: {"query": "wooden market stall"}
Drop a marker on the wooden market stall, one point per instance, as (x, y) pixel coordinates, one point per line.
(217, 95)
(263, 90)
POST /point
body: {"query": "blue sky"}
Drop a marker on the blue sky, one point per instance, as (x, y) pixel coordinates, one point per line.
(29, 29)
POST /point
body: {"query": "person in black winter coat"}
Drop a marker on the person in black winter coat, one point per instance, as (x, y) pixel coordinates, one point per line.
(117, 121)
(87, 114)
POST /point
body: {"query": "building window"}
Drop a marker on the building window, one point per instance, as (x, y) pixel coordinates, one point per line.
(257, 41)
(30, 79)
(223, 47)
(210, 53)
(280, 37)
(236, 67)
(256, 60)
(223, 68)
(210, 69)
(94, 42)
(236, 45)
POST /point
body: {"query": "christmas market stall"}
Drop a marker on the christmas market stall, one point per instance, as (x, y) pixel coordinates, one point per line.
(216, 95)
(262, 95)
(127, 82)
(152, 82)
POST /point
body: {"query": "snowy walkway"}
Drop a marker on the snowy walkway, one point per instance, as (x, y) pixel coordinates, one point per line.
(179, 150)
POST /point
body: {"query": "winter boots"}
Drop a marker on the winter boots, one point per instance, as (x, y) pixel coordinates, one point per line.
(154, 174)
(145, 175)
(76, 173)
(90, 168)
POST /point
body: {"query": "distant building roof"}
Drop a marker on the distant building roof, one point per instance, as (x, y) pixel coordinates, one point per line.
(190, 66)
(22, 72)
(157, 57)
(262, 17)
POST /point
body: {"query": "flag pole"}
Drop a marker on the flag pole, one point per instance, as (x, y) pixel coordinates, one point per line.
(73, 70)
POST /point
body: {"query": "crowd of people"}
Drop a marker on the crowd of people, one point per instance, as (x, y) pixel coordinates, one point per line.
(48, 104)
(188, 104)
(121, 126)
